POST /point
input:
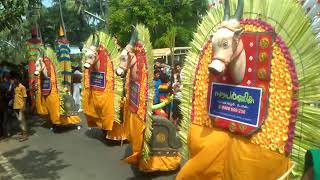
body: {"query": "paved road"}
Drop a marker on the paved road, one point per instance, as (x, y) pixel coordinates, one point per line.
(70, 155)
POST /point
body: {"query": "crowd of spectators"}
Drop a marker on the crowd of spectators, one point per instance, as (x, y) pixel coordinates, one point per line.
(167, 83)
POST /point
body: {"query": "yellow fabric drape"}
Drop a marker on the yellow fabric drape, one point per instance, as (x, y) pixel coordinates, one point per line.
(118, 132)
(135, 128)
(40, 102)
(217, 154)
(98, 105)
(99, 108)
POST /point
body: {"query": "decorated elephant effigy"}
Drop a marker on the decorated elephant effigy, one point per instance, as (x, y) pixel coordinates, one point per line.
(52, 97)
(33, 46)
(247, 83)
(152, 138)
(102, 90)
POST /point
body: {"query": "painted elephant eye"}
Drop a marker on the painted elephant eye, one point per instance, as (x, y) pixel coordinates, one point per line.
(225, 44)
(90, 56)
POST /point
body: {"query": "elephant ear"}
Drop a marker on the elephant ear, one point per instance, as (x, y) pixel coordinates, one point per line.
(291, 24)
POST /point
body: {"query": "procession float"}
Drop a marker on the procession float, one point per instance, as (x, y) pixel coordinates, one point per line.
(153, 138)
(33, 46)
(248, 84)
(102, 92)
(53, 96)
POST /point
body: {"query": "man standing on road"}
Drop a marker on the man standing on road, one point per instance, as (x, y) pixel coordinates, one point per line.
(77, 76)
(19, 106)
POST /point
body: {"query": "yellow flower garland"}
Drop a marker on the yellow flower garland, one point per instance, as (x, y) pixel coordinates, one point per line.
(142, 95)
(201, 83)
(274, 132)
(143, 85)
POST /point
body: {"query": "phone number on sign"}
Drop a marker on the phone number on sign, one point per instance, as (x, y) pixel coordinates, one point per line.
(232, 109)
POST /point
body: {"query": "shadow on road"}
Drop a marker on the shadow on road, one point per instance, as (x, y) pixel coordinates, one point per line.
(98, 134)
(42, 121)
(36, 121)
(139, 175)
(36, 164)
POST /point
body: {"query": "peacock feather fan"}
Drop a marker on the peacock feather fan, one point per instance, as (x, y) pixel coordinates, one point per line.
(111, 46)
(289, 22)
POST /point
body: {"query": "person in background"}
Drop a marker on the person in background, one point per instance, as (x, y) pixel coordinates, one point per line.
(2, 108)
(19, 106)
(7, 86)
(166, 69)
(157, 64)
(164, 90)
(1, 70)
(76, 78)
(177, 72)
(312, 165)
(156, 83)
(177, 86)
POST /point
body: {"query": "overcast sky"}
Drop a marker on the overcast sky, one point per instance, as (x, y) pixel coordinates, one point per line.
(47, 3)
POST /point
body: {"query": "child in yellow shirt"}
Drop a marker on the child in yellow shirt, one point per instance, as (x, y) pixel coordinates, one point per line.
(19, 106)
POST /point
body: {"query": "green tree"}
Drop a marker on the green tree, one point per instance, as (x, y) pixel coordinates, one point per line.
(77, 28)
(159, 16)
(11, 12)
(12, 43)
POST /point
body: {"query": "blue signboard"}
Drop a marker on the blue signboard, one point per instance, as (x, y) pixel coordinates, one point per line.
(134, 93)
(98, 79)
(235, 103)
(45, 84)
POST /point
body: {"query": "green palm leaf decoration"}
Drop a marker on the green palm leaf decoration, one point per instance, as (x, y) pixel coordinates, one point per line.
(144, 38)
(290, 22)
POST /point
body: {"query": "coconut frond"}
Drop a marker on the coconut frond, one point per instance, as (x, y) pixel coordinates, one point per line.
(49, 52)
(144, 38)
(294, 27)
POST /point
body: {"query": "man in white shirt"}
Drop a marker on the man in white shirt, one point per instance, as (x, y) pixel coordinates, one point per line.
(77, 76)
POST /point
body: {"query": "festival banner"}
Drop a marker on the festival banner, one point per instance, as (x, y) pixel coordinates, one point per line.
(134, 94)
(98, 79)
(45, 85)
(236, 103)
